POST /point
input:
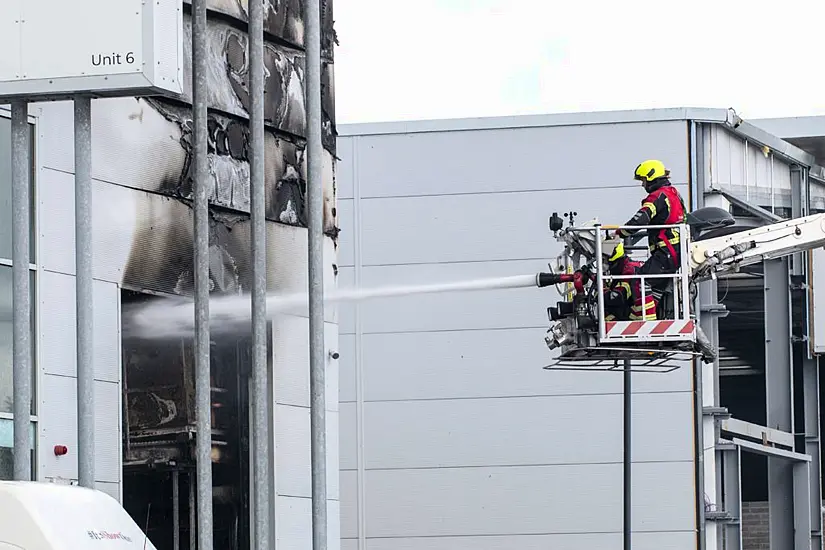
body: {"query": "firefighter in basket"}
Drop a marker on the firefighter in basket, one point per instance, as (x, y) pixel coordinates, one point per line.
(623, 297)
(663, 205)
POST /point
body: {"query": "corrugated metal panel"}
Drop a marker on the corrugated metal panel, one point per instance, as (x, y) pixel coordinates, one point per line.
(524, 431)
(640, 541)
(476, 364)
(747, 171)
(481, 227)
(526, 500)
(572, 157)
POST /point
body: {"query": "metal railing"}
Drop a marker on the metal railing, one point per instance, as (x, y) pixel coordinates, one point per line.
(679, 279)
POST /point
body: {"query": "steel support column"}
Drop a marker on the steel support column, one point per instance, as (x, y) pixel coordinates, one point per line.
(801, 472)
(706, 297)
(779, 398)
(810, 374)
(627, 457)
(315, 224)
(261, 396)
(21, 301)
(732, 495)
(84, 295)
(201, 192)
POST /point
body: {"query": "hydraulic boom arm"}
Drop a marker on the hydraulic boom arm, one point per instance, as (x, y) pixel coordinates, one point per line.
(731, 252)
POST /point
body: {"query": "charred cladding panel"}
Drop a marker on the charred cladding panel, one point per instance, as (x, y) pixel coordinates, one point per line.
(142, 157)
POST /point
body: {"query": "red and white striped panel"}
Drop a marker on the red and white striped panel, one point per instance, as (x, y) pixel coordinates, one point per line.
(650, 329)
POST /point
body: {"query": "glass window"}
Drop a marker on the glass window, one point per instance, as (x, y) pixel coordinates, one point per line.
(5, 191)
(7, 449)
(6, 337)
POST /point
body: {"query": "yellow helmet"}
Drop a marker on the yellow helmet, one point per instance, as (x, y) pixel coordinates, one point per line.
(650, 170)
(613, 250)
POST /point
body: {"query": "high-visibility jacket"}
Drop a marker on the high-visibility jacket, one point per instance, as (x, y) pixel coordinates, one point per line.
(626, 294)
(662, 206)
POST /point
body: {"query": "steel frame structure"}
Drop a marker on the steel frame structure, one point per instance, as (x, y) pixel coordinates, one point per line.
(794, 472)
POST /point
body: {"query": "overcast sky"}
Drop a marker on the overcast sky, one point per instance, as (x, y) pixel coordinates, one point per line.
(461, 58)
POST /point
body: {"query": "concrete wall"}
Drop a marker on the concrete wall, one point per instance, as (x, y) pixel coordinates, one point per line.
(452, 434)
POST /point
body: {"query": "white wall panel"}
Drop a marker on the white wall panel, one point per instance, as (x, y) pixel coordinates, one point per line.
(58, 330)
(114, 211)
(290, 348)
(292, 452)
(56, 221)
(348, 441)
(560, 157)
(118, 125)
(346, 372)
(640, 541)
(293, 524)
(524, 431)
(346, 312)
(107, 431)
(344, 168)
(349, 504)
(526, 500)
(57, 413)
(482, 227)
(479, 363)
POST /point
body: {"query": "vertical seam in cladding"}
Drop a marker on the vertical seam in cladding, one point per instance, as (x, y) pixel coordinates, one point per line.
(358, 355)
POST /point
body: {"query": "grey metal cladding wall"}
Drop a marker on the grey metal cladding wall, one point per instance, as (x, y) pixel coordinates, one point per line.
(467, 442)
(504, 226)
(525, 159)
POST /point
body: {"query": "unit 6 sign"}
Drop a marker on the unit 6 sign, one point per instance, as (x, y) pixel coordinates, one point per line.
(113, 59)
(55, 48)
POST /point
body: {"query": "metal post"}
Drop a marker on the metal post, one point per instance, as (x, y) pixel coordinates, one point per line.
(315, 215)
(175, 510)
(83, 293)
(627, 457)
(810, 375)
(21, 317)
(733, 498)
(203, 387)
(193, 544)
(600, 281)
(260, 420)
(779, 397)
